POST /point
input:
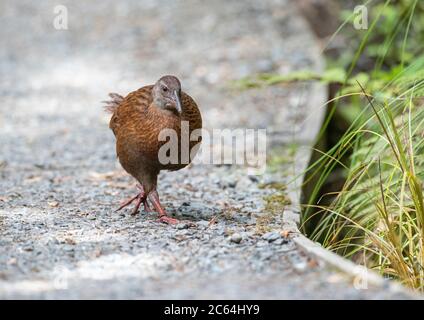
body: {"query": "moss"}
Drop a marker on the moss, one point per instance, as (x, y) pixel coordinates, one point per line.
(281, 157)
(278, 161)
(273, 185)
(262, 224)
(274, 205)
(276, 202)
(275, 163)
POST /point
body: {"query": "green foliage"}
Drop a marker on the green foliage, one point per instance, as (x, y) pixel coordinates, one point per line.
(397, 36)
(378, 216)
(379, 213)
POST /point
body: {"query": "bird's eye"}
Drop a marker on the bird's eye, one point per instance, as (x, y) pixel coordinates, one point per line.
(164, 89)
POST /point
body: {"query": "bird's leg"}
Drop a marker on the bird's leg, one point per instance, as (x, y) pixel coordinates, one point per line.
(146, 206)
(127, 203)
(141, 198)
(137, 204)
(163, 217)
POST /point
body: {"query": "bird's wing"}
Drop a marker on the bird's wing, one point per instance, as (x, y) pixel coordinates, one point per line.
(124, 109)
(191, 111)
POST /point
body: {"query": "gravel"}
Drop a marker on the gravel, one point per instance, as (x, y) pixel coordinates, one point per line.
(60, 182)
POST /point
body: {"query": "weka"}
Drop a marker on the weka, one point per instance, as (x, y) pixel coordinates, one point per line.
(136, 123)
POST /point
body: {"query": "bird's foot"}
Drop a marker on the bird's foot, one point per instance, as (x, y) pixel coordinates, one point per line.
(127, 202)
(163, 216)
(140, 198)
(168, 220)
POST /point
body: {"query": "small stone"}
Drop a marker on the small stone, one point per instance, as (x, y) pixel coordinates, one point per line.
(253, 178)
(236, 238)
(280, 241)
(183, 232)
(220, 231)
(68, 248)
(266, 255)
(261, 244)
(53, 204)
(28, 248)
(285, 233)
(232, 184)
(213, 253)
(182, 226)
(300, 266)
(203, 223)
(70, 241)
(271, 236)
(185, 260)
(53, 241)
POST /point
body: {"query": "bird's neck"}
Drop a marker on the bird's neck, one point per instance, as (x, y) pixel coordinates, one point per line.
(164, 111)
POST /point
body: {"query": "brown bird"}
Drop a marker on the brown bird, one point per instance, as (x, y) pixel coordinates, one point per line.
(137, 120)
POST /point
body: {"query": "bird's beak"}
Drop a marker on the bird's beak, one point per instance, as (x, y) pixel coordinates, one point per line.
(177, 102)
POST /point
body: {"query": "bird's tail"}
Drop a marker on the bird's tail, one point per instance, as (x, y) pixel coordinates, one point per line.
(114, 102)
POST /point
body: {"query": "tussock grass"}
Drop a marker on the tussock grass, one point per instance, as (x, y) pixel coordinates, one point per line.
(377, 218)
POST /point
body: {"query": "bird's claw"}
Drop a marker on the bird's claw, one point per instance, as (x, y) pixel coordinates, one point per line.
(126, 203)
(168, 220)
(141, 198)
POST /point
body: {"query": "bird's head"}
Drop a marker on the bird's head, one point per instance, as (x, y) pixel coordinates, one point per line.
(167, 94)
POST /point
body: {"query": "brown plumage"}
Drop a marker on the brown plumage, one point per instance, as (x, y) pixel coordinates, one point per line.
(137, 121)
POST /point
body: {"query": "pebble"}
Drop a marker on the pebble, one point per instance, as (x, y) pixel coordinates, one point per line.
(267, 255)
(281, 241)
(213, 253)
(300, 266)
(183, 232)
(28, 248)
(253, 178)
(236, 238)
(182, 226)
(53, 204)
(260, 244)
(203, 223)
(271, 236)
(68, 248)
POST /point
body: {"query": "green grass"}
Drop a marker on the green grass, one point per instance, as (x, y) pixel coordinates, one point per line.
(377, 218)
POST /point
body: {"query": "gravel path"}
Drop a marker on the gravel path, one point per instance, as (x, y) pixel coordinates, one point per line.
(60, 181)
